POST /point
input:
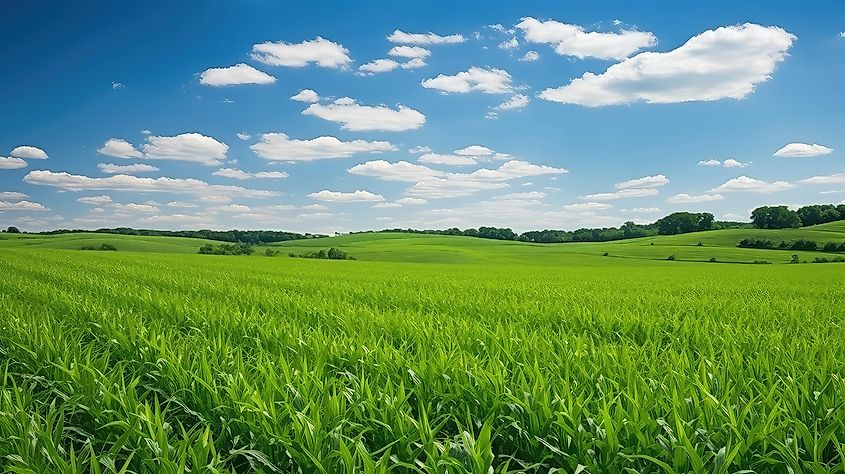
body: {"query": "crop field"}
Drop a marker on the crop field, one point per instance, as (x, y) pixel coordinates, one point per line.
(427, 354)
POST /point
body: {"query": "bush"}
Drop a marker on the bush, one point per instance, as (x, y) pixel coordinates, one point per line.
(330, 254)
(104, 246)
(712, 260)
(795, 259)
(227, 249)
(270, 252)
(670, 257)
(605, 254)
(761, 262)
(699, 244)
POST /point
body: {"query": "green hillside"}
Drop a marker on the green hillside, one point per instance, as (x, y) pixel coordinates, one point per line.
(421, 248)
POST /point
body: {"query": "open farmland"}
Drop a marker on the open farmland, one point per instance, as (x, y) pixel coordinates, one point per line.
(499, 355)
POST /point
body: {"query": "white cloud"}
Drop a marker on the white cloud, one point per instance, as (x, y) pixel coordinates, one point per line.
(9, 163)
(409, 201)
(21, 206)
(357, 117)
(117, 85)
(387, 205)
(621, 194)
(744, 183)
(644, 182)
(109, 168)
(419, 149)
(181, 205)
(400, 171)
(729, 163)
(572, 40)
(135, 207)
(732, 163)
(355, 196)
(235, 173)
(530, 56)
(690, 199)
(410, 52)
(122, 182)
(452, 160)
(244, 136)
(235, 75)
(401, 37)
(802, 150)
(516, 102)
(413, 63)
(28, 152)
(474, 150)
(709, 163)
(279, 147)
(320, 51)
(831, 179)
(119, 148)
(95, 200)
(488, 81)
(724, 63)
(463, 184)
(588, 206)
(378, 65)
(508, 44)
(190, 147)
(306, 95)
(12, 196)
(642, 210)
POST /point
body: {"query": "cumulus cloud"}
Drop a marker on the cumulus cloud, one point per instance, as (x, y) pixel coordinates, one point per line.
(644, 182)
(727, 62)
(109, 168)
(509, 44)
(235, 75)
(10, 163)
(399, 171)
(306, 95)
(122, 182)
(729, 163)
(191, 147)
(28, 152)
(356, 117)
(401, 37)
(409, 201)
(530, 56)
(573, 40)
(235, 173)
(244, 136)
(621, 194)
(474, 150)
(119, 148)
(588, 206)
(488, 81)
(410, 52)
(95, 200)
(387, 205)
(744, 183)
(831, 179)
(690, 199)
(642, 210)
(12, 196)
(419, 149)
(318, 51)
(378, 65)
(516, 102)
(355, 196)
(452, 160)
(709, 163)
(802, 150)
(21, 206)
(463, 184)
(280, 147)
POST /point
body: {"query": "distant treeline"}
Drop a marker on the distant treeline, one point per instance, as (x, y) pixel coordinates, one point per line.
(675, 223)
(781, 217)
(255, 237)
(801, 244)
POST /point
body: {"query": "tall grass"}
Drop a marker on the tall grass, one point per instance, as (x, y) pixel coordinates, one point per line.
(156, 363)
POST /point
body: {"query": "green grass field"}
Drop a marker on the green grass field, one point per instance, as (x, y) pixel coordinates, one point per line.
(430, 354)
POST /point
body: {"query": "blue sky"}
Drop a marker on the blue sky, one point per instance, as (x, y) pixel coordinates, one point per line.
(434, 115)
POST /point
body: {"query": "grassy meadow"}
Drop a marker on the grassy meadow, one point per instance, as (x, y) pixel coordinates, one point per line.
(430, 354)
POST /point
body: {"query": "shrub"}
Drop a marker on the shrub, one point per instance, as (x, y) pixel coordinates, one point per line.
(605, 254)
(330, 254)
(699, 244)
(270, 252)
(712, 259)
(227, 249)
(761, 262)
(670, 257)
(795, 259)
(292, 255)
(104, 246)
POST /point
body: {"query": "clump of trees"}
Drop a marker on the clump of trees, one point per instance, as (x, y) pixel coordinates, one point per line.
(330, 254)
(254, 237)
(12, 230)
(829, 260)
(781, 217)
(684, 222)
(104, 246)
(240, 248)
(800, 244)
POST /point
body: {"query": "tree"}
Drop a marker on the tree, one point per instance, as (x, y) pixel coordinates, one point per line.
(683, 222)
(775, 217)
(13, 230)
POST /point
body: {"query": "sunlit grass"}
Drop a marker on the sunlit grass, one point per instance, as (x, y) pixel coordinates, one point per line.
(121, 362)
